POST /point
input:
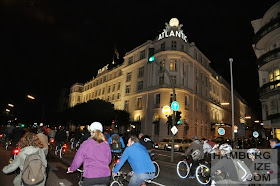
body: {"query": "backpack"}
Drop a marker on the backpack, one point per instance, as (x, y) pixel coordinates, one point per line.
(116, 143)
(243, 171)
(33, 170)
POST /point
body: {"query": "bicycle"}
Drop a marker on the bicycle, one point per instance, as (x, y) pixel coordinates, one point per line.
(121, 180)
(80, 183)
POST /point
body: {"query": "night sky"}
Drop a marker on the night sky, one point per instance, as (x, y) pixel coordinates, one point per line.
(48, 45)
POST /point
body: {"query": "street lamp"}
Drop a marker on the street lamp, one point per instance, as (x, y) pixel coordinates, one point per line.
(30, 97)
(10, 105)
(224, 103)
(232, 101)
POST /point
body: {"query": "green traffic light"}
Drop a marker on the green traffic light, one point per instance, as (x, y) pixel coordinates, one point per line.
(151, 59)
(179, 122)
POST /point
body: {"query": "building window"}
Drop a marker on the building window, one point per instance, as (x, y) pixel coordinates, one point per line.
(96, 93)
(173, 79)
(142, 54)
(99, 93)
(157, 101)
(109, 89)
(108, 99)
(161, 80)
(186, 102)
(171, 98)
(119, 86)
(173, 45)
(162, 66)
(104, 79)
(119, 96)
(162, 46)
(139, 104)
(128, 77)
(103, 91)
(127, 89)
(140, 85)
(130, 60)
(126, 105)
(113, 97)
(113, 89)
(141, 72)
(172, 64)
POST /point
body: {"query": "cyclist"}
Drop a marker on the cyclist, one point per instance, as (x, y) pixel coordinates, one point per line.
(95, 156)
(146, 142)
(196, 150)
(225, 165)
(116, 142)
(60, 137)
(139, 160)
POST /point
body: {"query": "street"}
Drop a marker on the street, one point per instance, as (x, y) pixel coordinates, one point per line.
(58, 167)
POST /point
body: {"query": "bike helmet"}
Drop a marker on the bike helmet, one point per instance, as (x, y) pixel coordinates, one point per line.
(195, 154)
(96, 126)
(253, 151)
(225, 147)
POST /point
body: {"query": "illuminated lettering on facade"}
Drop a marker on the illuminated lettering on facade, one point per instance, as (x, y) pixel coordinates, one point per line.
(173, 30)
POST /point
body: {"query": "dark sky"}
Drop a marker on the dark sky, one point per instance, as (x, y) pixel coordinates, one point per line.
(48, 45)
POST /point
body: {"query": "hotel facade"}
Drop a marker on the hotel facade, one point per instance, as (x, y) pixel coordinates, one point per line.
(143, 88)
(267, 49)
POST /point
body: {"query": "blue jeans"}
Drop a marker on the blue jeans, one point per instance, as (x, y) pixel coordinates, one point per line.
(139, 178)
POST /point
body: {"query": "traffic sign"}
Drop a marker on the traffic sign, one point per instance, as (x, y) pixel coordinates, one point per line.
(175, 105)
(221, 131)
(166, 110)
(174, 130)
(255, 134)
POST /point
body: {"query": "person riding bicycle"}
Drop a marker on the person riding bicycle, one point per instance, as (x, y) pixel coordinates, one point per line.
(116, 142)
(61, 136)
(95, 155)
(146, 142)
(225, 165)
(196, 150)
(139, 160)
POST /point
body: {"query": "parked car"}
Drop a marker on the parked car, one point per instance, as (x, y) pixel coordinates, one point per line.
(180, 144)
(162, 144)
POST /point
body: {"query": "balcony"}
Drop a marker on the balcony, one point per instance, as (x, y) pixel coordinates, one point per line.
(268, 57)
(138, 107)
(272, 25)
(269, 89)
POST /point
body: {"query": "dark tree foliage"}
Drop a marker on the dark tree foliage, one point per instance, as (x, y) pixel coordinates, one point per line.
(94, 110)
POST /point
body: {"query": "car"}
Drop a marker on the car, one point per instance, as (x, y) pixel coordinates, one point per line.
(180, 144)
(162, 144)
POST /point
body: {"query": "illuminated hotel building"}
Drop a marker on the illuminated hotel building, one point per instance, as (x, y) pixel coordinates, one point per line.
(267, 49)
(143, 88)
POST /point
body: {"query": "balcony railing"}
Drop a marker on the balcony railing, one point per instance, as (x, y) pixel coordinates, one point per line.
(272, 25)
(137, 107)
(269, 56)
(269, 87)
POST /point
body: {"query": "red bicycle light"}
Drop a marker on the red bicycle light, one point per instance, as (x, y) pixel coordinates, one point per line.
(52, 140)
(117, 160)
(1, 135)
(16, 151)
(64, 146)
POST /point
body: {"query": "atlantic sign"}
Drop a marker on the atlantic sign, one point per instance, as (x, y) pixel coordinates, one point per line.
(173, 29)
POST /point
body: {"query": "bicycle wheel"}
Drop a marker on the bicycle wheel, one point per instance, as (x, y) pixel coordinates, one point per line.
(183, 169)
(115, 183)
(157, 168)
(203, 174)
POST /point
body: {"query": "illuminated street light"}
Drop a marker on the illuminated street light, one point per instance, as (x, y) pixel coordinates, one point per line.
(7, 110)
(247, 117)
(30, 97)
(257, 121)
(10, 105)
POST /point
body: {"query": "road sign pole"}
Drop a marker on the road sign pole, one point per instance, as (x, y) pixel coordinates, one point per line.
(173, 99)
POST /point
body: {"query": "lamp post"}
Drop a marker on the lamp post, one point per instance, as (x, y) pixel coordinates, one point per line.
(232, 102)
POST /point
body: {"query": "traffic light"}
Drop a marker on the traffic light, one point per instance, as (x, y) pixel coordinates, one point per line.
(178, 117)
(151, 53)
(22, 125)
(169, 120)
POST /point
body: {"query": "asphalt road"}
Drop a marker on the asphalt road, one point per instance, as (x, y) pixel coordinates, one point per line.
(59, 177)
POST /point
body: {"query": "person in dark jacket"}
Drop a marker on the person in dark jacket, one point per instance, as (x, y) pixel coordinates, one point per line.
(85, 135)
(275, 144)
(16, 135)
(61, 136)
(146, 142)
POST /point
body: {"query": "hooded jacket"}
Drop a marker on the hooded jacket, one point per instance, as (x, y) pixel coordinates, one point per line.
(19, 162)
(95, 158)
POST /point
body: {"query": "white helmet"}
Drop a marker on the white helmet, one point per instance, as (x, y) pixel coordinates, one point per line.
(96, 126)
(225, 147)
(195, 154)
(254, 151)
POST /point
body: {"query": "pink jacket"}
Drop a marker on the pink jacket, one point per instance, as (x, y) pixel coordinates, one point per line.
(94, 157)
